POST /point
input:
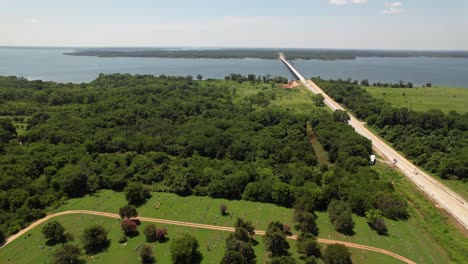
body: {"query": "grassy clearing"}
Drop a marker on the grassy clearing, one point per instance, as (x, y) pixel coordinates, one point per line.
(298, 99)
(405, 237)
(426, 216)
(31, 247)
(117, 253)
(424, 98)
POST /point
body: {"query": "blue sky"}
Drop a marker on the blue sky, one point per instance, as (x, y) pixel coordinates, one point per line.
(375, 24)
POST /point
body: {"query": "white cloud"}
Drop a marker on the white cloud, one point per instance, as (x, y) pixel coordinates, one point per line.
(344, 2)
(393, 4)
(338, 2)
(34, 20)
(392, 8)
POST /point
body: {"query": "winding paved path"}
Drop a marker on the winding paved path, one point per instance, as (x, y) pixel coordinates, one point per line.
(195, 225)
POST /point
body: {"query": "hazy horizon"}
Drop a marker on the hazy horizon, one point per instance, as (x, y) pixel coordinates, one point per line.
(225, 47)
(322, 24)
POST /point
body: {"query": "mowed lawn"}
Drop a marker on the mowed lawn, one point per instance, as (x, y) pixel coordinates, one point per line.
(31, 247)
(424, 98)
(405, 237)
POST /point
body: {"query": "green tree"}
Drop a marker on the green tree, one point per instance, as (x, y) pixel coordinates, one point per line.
(283, 260)
(54, 233)
(146, 254)
(223, 209)
(241, 241)
(199, 77)
(376, 221)
(128, 211)
(340, 215)
(392, 205)
(68, 254)
(307, 244)
(2, 237)
(7, 130)
(341, 116)
(380, 226)
(136, 193)
(275, 240)
(319, 100)
(184, 249)
(95, 239)
(306, 222)
(150, 233)
(247, 225)
(336, 254)
(312, 260)
(233, 257)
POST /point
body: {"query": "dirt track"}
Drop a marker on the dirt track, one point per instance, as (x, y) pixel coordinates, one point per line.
(195, 225)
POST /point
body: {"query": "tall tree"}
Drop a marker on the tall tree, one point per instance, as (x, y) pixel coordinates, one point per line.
(307, 244)
(233, 257)
(337, 254)
(306, 222)
(2, 237)
(184, 249)
(146, 254)
(128, 211)
(68, 254)
(95, 239)
(150, 233)
(54, 232)
(275, 240)
(340, 215)
(318, 100)
(136, 193)
(341, 116)
(283, 260)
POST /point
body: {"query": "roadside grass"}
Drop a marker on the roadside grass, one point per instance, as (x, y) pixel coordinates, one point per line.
(424, 98)
(426, 216)
(405, 237)
(458, 186)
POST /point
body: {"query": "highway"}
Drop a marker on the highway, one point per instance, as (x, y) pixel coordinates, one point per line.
(440, 194)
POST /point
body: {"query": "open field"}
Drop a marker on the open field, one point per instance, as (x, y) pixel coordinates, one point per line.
(297, 99)
(405, 237)
(117, 253)
(34, 244)
(424, 98)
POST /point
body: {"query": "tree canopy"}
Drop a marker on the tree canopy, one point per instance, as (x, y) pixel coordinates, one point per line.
(137, 133)
(95, 239)
(184, 249)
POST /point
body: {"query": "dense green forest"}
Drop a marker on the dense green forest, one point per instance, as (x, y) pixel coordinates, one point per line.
(436, 141)
(174, 134)
(236, 53)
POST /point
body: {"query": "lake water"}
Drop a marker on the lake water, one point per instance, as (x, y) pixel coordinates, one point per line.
(51, 64)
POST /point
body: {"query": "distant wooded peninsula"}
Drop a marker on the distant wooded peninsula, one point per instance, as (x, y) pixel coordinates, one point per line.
(238, 53)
